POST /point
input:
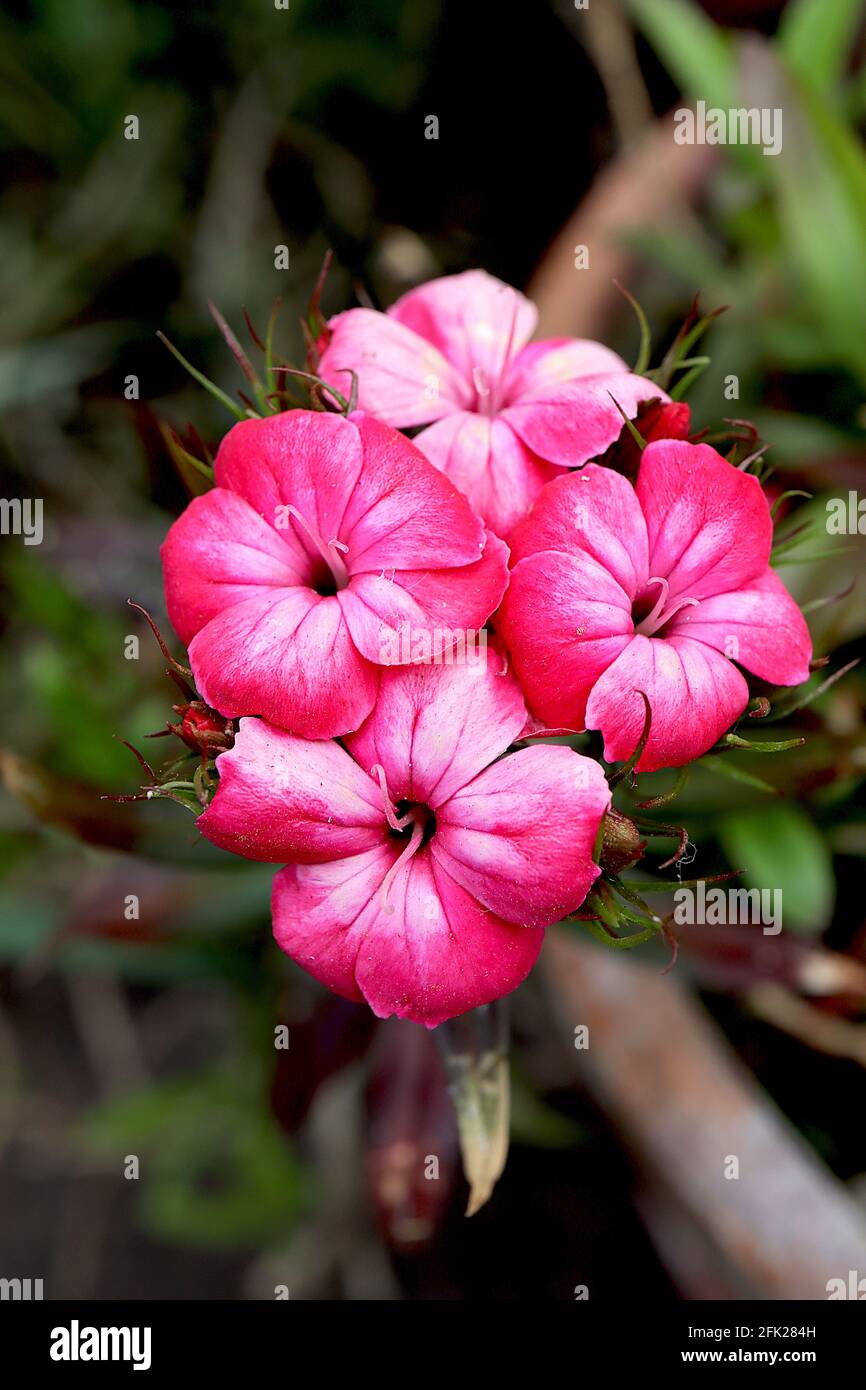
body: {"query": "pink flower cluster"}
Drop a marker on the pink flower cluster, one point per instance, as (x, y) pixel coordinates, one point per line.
(423, 855)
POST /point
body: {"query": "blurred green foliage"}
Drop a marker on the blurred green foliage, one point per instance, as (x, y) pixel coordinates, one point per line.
(782, 240)
(217, 1169)
(782, 234)
(103, 241)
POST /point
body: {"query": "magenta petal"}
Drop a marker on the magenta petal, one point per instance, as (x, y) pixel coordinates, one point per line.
(281, 797)
(330, 505)
(708, 523)
(285, 654)
(564, 619)
(759, 626)
(434, 728)
(484, 458)
(402, 378)
(410, 616)
(570, 422)
(426, 951)
(695, 695)
(594, 512)
(239, 538)
(216, 554)
(520, 836)
(404, 514)
(476, 321)
(304, 458)
(555, 360)
(320, 914)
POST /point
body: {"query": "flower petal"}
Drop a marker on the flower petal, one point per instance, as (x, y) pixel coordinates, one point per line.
(708, 523)
(321, 911)
(695, 695)
(238, 538)
(555, 360)
(216, 554)
(426, 951)
(484, 458)
(476, 321)
(434, 728)
(404, 514)
(759, 626)
(410, 616)
(281, 797)
(305, 458)
(570, 422)
(594, 512)
(285, 654)
(520, 836)
(564, 619)
(402, 378)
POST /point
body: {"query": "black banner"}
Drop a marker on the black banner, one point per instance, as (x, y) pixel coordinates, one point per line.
(155, 1339)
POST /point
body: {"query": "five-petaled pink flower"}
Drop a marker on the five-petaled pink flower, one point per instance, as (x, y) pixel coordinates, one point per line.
(618, 589)
(423, 866)
(326, 540)
(503, 415)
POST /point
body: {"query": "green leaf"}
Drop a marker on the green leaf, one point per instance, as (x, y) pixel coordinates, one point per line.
(198, 477)
(696, 52)
(815, 38)
(803, 695)
(781, 847)
(725, 767)
(643, 356)
(819, 178)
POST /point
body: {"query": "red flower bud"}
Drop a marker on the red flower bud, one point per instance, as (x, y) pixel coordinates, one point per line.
(664, 420)
(655, 419)
(201, 728)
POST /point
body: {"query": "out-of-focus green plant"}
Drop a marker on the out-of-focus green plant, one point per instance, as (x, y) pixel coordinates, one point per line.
(217, 1170)
(104, 240)
(783, 237)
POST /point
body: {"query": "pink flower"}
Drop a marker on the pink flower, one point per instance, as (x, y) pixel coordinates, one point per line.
(501, 416)
(423, 867)
(618, 589)
(325, 542)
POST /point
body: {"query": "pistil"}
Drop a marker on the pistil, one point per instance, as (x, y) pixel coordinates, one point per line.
(329, 553)
(659, 615)
(396, 822)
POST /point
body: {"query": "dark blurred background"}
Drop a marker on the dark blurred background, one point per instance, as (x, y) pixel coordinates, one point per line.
(139, 988)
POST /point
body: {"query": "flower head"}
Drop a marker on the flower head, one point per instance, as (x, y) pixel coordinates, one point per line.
(502, 415)
(659, 588)
(293, 581)
(422, 866)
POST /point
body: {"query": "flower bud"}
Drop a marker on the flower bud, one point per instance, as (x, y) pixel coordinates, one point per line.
(621, 844)
(201, 728)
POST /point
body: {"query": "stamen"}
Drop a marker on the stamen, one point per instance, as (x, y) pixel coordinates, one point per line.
(660, 615)
(649, 623)
(480, 382)
(396, 822)
(411, 849)
(334, 563)
(675, 608)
